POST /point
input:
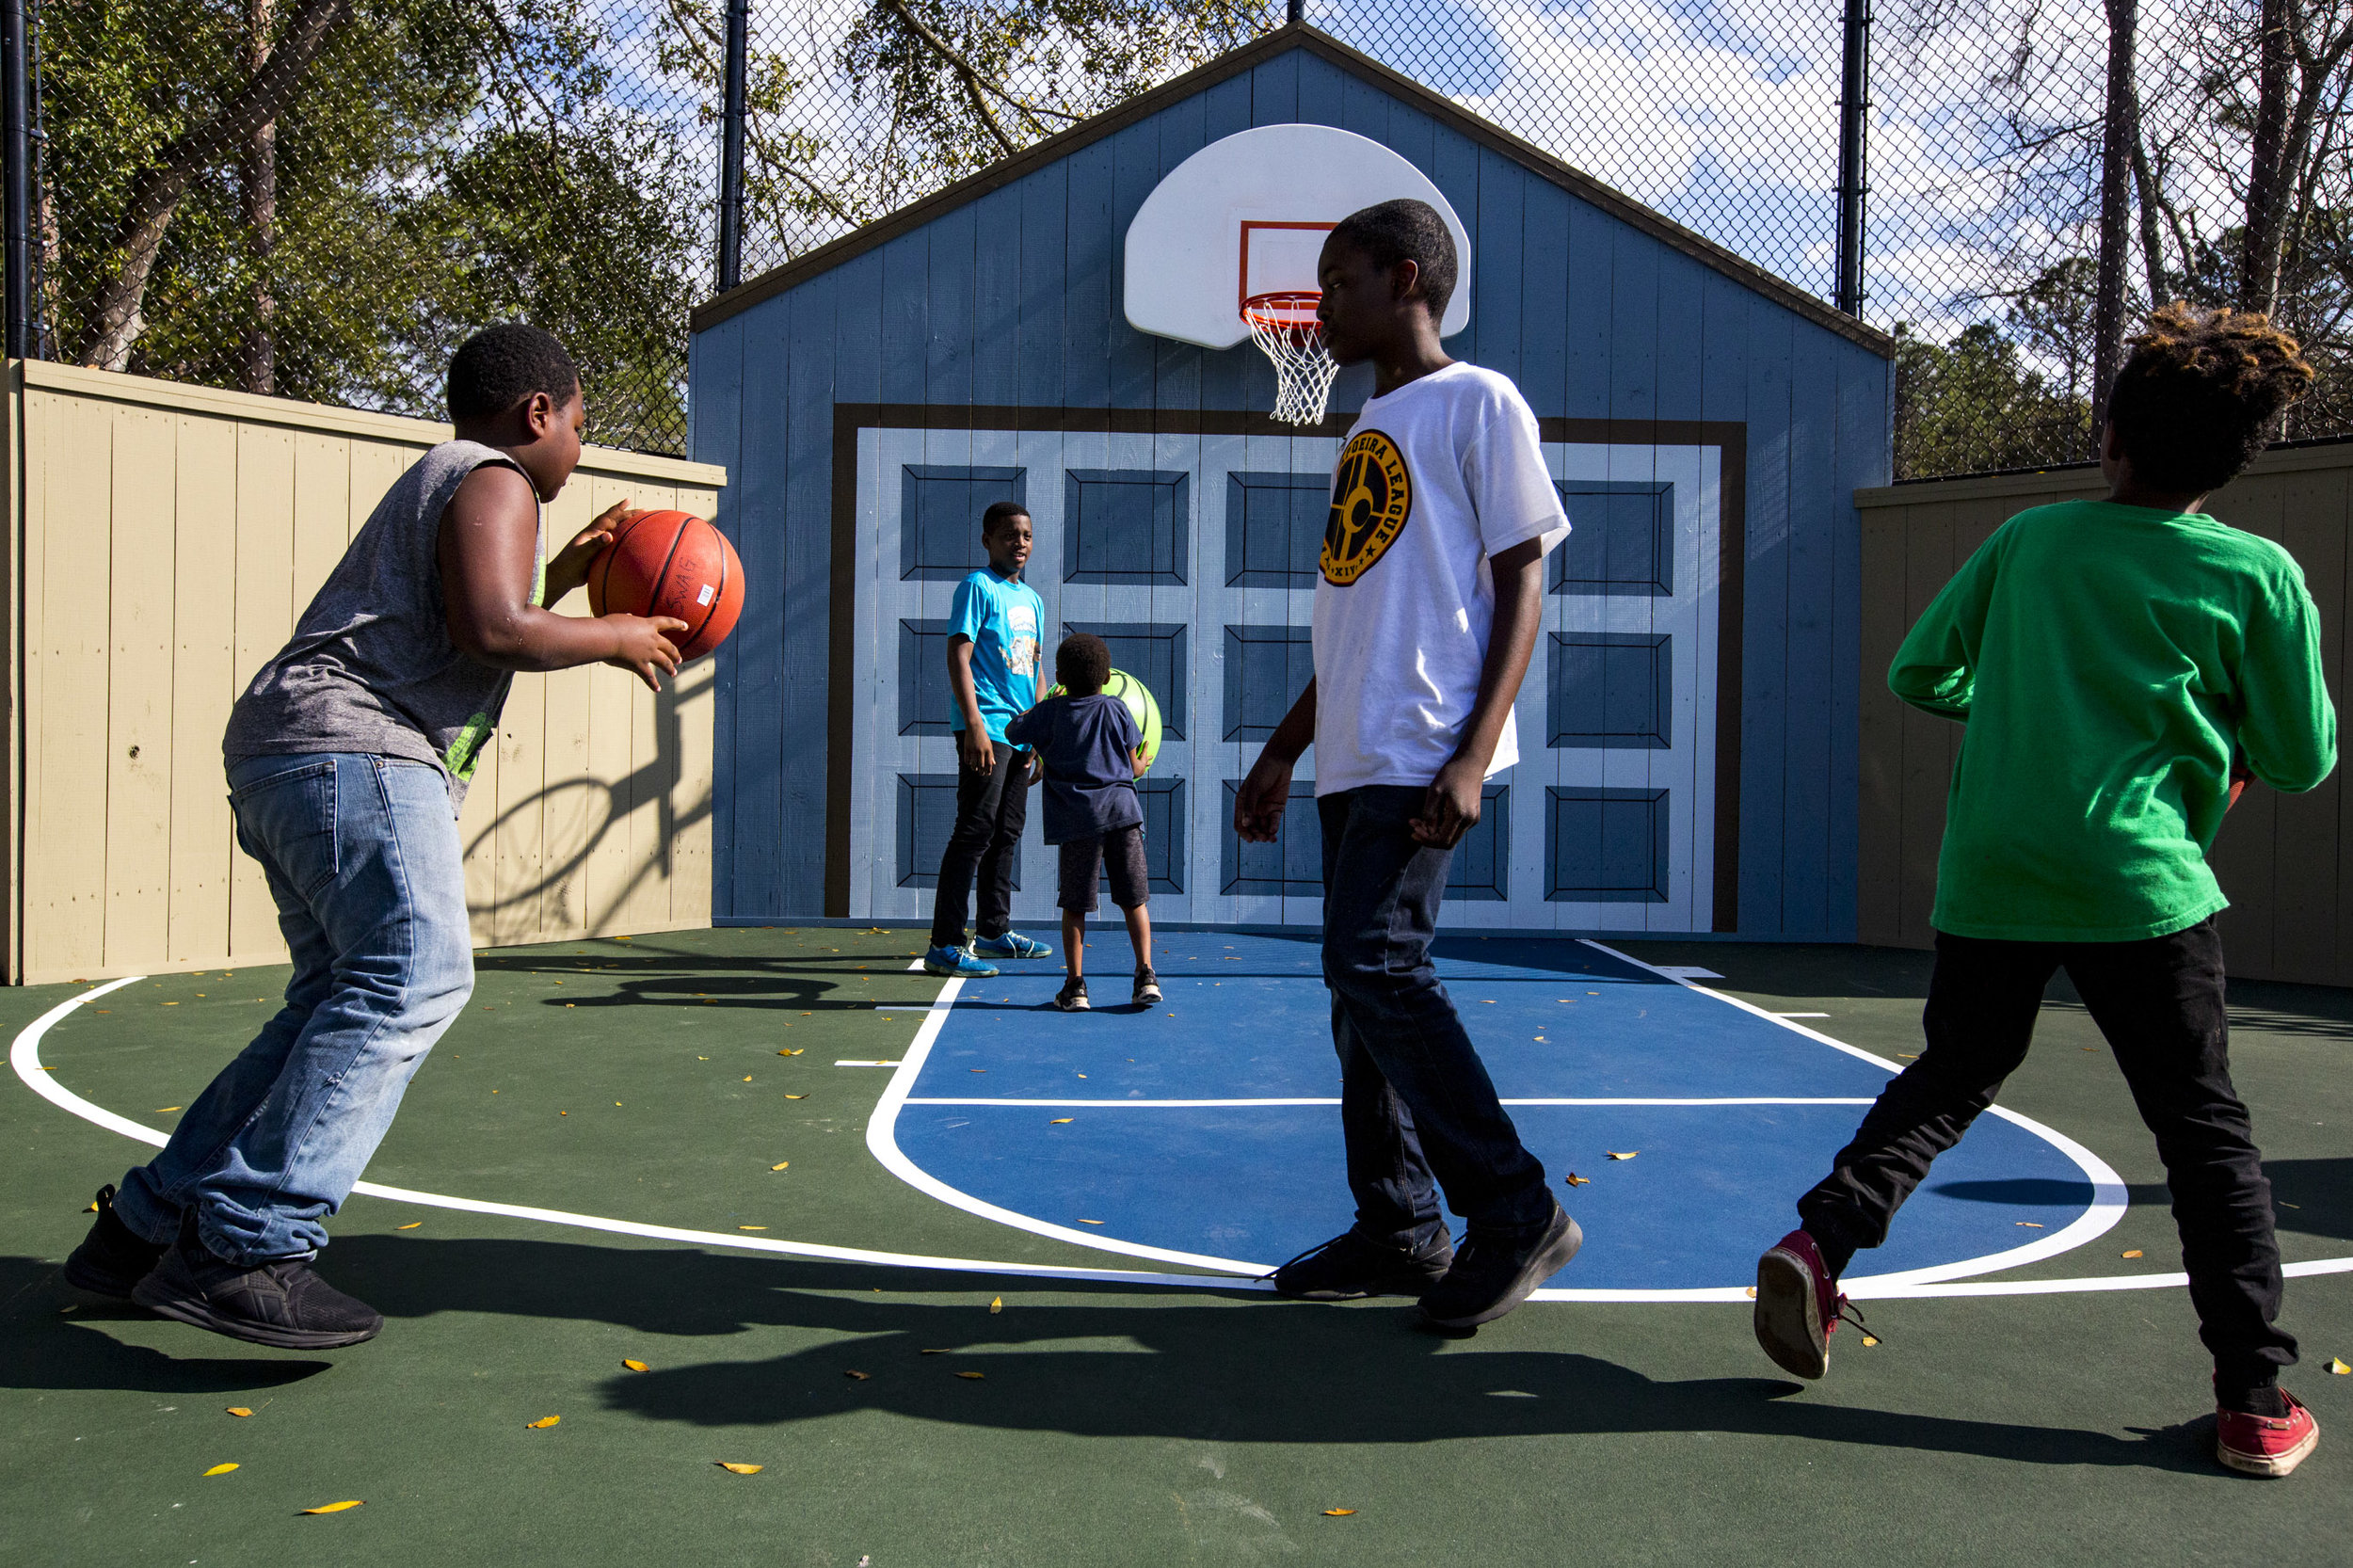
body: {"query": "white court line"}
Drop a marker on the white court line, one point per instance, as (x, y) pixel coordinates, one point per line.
(1216, 1105)
(25, 1058)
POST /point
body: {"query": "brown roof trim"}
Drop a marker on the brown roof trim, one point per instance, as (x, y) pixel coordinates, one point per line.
(1295, 35)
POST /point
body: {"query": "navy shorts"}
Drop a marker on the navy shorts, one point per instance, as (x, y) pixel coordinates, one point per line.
(1120, 853)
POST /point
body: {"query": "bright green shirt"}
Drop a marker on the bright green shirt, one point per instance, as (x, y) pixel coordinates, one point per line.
(2108, 661)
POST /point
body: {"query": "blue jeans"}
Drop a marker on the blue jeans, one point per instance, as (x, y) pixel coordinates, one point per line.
(362, 856)
(1417, 1108)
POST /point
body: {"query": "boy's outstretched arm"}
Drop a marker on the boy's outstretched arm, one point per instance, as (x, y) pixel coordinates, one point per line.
(489, 541)
(1258, 804)
(2287, 727)
(1452, 806)
(1936, 668)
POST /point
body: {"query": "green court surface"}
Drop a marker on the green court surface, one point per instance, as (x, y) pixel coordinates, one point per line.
(1114, 1423)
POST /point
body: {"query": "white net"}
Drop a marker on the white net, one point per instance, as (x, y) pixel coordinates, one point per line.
(1284, 326)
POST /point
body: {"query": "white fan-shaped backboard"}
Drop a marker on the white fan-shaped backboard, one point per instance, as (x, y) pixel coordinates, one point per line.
(1248, 215)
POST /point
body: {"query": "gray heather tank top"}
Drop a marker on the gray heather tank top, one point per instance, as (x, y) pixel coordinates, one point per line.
(371, 668)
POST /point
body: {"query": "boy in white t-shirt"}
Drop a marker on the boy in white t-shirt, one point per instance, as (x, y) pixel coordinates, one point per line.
(1441, 511)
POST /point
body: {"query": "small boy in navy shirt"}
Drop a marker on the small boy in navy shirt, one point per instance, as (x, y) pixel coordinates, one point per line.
(1093, 752)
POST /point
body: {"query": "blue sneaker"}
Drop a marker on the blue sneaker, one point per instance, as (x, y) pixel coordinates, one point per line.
(1011, 945)
(958, 963)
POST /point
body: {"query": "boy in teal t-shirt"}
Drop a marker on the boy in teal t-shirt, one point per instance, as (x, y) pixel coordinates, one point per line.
(2122, 665)
(993, 677)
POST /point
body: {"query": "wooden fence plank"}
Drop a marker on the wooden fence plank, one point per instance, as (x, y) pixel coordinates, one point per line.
(204, 685)
(140, 693)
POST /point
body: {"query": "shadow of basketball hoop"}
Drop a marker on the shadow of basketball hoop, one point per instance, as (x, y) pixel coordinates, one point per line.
(577, 820)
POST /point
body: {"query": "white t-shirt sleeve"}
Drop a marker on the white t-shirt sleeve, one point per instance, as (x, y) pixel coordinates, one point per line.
(1511, 489)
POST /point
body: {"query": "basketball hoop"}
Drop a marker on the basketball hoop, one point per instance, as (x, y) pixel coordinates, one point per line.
(1284, 325)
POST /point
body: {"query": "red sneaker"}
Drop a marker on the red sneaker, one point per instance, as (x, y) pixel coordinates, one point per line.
(2265, 1445)
(1798, 1306)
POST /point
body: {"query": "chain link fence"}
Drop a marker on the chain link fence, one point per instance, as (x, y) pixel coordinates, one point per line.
(317, 198)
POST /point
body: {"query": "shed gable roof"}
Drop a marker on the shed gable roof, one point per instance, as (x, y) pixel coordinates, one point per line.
(1302, 37)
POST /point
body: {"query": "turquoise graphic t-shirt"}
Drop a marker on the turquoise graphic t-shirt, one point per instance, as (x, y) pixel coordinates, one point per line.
(1001, 617)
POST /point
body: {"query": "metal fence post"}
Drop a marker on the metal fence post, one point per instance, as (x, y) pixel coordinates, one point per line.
(1855, 105)
(16, 125)
(1298, 10)
(730, 145)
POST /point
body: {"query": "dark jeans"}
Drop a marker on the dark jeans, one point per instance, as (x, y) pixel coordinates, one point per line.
(992, 808)
(1417, 1106)
(2160, 1003)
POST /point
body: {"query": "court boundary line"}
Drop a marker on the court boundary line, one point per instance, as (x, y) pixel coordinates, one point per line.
(1247, 1104)
(25, 1058)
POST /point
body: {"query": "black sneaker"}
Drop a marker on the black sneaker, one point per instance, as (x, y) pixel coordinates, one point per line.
(112, 1258)
(1147, 987)
(1492, 1276)
(282, 1302)
(1349, 1267)
(1072, 997)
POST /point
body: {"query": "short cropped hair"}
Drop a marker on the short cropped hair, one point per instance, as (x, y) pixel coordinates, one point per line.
(1405, 231)
(999, 513)
(1082, 663)
(501, 366)
(2201, 393)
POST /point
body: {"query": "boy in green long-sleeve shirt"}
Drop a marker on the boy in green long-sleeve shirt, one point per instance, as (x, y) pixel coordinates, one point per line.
(2122, 664)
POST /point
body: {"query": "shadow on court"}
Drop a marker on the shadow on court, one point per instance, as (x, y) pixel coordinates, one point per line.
(1256, 1370)
(47, 1348)
(2314, 1196)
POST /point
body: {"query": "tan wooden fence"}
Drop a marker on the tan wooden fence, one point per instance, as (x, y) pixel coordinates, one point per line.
(2285, 861)
(163, 540)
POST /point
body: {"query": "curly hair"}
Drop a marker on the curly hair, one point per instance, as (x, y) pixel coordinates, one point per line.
(1082, 663)
(499, 366)
(2201, 391)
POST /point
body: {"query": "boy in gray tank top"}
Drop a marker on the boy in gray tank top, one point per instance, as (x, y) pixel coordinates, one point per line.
(348, 757)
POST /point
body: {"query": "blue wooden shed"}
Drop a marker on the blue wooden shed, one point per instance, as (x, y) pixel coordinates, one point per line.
(1688, 730)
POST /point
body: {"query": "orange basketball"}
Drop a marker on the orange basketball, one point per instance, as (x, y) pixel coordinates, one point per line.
(671, 564)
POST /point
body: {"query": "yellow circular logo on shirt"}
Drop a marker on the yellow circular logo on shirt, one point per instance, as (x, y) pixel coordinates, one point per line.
(1372, 496)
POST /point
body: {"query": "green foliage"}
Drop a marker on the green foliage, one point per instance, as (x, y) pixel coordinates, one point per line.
(1974, 404)
(443, 166)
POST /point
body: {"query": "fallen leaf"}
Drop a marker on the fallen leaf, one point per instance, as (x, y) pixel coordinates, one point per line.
(165, 1109)
(1576, 1180)
(2134, 1253)
(543, 1422)
(2338, 1367)
(751, 1227)
(784, 1052)
(976, 1069)
(1090, 1222)
(1751, 1292)
(780, 1164)
(335, 1508)
(1337, 1513)
(940, 1352)
(240, 1410)
(739, 1469)
(1059, 1120)
(975, 1376)
(1870, 1339)
(635, 1366)
(92, 1210)
(862, 1377)
(2027, 1224)
(410, 1226)
(748, 1078)
(1628, 1155)
(796, 1096)
(997, 1303)
(221, 1469)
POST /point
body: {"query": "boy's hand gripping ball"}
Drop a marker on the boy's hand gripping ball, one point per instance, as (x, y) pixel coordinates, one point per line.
(1138, 696)
(671, 564)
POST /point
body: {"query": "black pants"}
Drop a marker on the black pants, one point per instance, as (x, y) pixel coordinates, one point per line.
(1417, 1111)
(2160, 1003)
(992, 808)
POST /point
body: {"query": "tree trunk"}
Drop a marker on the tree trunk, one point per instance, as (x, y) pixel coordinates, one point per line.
(259, 373)
(2267, 171)
(2122, 134)
(113, 322)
